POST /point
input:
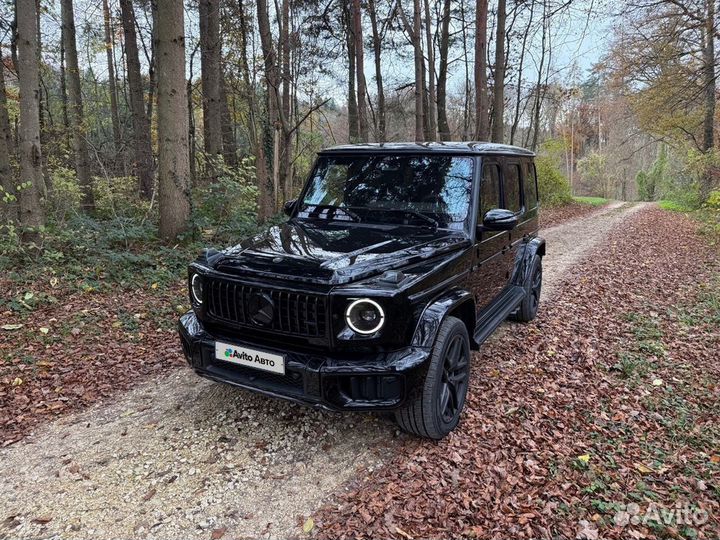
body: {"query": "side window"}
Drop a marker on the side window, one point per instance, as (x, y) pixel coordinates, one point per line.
(490, 189)
(512, 187)
(531, 197)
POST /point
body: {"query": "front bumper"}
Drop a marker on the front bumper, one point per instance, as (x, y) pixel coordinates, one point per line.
(378, 381)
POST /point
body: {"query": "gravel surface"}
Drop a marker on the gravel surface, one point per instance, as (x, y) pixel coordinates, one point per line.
(568, 243)
(180, 457)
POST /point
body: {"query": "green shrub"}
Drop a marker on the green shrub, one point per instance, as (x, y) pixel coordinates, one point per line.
(119, 197)
(650, 183)
(713, 200)
(594, 172)
(553, 186)
(673, 206)
(227, 209)
(592, 201)
(65, 197)
(10, 244)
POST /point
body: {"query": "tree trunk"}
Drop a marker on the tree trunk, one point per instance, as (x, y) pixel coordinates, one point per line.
(191, 129)
(151, 67)
(8, 210)
(285, 150)
(443, 126)
(377, 49)
(518, 94)
(210, 50)
(265, 207)
(173, 156)
(360, 68)
(228, 133)
(31, 212)
(109, 45)
(63, 85)
(416, 37)
(539, 92)
(466, 65)
(75, 109)
(482, 118)
(42, 102)
(270, 131)
(431, 112)
(353, 123)
(140, 121)
(498, 124)
(709, 79)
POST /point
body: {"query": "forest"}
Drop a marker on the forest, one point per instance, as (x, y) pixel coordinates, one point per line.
(136, 134)
(99, 129)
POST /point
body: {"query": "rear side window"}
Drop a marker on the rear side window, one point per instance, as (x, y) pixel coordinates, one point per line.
(512, 187)
(531, 196)
(490, 189)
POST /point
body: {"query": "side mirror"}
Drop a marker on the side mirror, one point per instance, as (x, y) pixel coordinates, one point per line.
(289, 207)
(500, 219)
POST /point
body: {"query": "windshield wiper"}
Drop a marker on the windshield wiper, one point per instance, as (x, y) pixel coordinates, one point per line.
(433, 222)
(429, 220)
(335, 208)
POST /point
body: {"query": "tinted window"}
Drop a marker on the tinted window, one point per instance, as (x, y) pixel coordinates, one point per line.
(531, 197)
(512, 187)
(381, 188)
(490, 192)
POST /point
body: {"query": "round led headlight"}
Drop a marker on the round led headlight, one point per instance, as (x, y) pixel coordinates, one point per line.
(196, 288)
(365, 316)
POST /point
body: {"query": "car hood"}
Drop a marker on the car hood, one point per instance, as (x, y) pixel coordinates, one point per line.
(332, 253)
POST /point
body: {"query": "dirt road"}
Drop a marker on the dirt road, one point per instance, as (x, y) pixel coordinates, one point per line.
(181, 457)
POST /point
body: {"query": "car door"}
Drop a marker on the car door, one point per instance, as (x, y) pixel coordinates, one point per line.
(512, 199)
(488, 278)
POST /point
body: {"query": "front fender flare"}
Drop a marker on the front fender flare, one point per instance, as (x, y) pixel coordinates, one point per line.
(434, 314)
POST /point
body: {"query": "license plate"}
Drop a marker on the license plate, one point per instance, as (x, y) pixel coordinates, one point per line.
(251, 358)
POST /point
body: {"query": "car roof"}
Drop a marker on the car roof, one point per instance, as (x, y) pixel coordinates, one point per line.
(465, 148)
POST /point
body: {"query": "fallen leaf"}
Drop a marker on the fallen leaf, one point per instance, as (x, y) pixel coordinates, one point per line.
(218, 533)
(150, 494)
(11, 326)
(42, 520)
(17, 382)
(644, 469)
(585, 458)
(586, 531)
(44, 329)
(657, 382)
(402, 533)
(154, 286)
(308, 525)
(715, 458)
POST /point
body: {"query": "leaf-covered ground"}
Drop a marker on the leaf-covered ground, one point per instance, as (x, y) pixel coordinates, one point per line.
(600, 419)
(63, 348)
(549, 217)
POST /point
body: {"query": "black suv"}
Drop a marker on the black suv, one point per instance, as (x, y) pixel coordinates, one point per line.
(396, 261)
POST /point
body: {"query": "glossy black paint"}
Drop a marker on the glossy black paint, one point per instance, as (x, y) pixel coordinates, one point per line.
(500, 219)
(419, 275)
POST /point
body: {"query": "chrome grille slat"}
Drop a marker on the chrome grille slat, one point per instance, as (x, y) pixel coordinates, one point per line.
(295, 313)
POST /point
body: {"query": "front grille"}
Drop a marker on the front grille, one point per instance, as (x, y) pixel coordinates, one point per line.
(292, 313)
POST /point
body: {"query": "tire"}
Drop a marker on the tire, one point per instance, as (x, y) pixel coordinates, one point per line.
(435, 411)
(528, 308)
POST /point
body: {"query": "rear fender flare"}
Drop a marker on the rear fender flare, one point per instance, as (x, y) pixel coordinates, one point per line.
(524, 259)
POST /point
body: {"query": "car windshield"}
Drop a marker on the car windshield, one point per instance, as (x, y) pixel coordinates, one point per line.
(393, 189)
